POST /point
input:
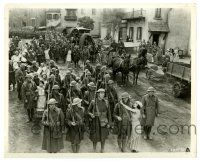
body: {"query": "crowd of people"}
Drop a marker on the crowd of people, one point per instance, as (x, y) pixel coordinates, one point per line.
(76, 104)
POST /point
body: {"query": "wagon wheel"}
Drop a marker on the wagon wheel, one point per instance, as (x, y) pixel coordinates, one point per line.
(177, 89)
(148, 74)
(36, 128)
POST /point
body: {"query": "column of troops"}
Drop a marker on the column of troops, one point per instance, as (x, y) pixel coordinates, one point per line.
(77, 103)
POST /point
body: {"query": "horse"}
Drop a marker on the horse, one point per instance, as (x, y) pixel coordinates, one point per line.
(119, 64)
(137, 64)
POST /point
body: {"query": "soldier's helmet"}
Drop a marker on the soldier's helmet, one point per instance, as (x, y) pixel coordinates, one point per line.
(76, 101)
(55, 87)
(125, 95)
(73, 83)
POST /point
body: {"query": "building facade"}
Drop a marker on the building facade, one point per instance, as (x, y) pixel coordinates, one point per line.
(19, 18)
(68, 18)
(167, 27)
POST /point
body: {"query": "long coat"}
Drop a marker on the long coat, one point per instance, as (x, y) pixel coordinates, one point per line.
(29, 93)
(75, 133)
(52, 136)
(124, 126)
(150, 109)
(98, 129)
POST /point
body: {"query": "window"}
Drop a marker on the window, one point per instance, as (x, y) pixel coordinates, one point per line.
(131, 31)
(93, 11)
(49, 16)
(71, 12)
(158, 13)
(33, 22)
(139, 33)
(55, 16)
(23, 23)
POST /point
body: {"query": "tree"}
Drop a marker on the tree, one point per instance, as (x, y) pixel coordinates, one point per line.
(112, 18)
(86, 22)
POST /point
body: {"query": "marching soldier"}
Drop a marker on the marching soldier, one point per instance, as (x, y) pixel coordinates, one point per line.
(75, 124)
(58, 97)
(29, 96)
(123, 121)
(89, 67)
(112, 97)
(100, 115)
(149, 111)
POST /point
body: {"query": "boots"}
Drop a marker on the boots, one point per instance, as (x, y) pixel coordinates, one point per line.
(123, 145)
(94, 146)
(77, 148)
(119, 144)
(102, 146)
(74, 148)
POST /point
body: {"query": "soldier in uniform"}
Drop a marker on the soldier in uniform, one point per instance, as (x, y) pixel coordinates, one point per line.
(75, 124)
(29, 96)
(100, 115)
(149, 111)
(112, 97)
(87, 98)
(72, 92)
(89, 67)
(20, 77)
(49, 85)
(123, 121)
(58, 97)
(85, 82)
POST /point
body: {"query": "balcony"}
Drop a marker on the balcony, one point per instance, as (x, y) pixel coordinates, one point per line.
(71, 18)
(135, 15)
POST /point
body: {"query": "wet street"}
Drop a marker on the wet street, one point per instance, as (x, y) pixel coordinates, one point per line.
(174, 113)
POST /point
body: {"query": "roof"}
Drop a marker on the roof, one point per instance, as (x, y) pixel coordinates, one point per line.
(158, 27)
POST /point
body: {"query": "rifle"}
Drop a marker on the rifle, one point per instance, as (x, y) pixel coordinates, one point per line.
(70, 100)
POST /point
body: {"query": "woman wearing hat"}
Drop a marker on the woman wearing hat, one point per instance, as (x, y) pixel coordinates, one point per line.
(75, 124)
(149, 111)
(53, 121)
(100, 115)
(123, 121)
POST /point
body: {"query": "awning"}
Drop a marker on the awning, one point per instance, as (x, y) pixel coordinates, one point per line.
(158, 27)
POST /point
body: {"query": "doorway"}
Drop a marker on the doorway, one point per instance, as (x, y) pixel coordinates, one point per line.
(156, 38)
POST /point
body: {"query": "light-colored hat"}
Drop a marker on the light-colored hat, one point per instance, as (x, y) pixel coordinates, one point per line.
(103, 67)
(88, 73)
(73, 83)
(110, 82)
(139, 103)
(87, 61)
(76, 101)
(68, 72)
(55, 87)
(125, 95)
(91, 84)
(107, 76)
(101, 90)
(28, 76)
(52, 101)
(150, 89)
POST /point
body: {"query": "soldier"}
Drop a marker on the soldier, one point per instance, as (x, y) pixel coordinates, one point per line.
(85, 82)
(59, 98)
(112, 97)
(66, 82)
(89, 67)
(20, 77)
(87, 98)
(49, 85)
(72, 92)
(97, 72)
(75, 124)
(11, 76)
(149, 111)
(29, 96)
(99, 112)
(53, 121)
(123, 121)
(57, 77)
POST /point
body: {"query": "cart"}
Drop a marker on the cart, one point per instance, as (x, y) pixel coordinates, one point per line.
(37, 125)
(181, 74)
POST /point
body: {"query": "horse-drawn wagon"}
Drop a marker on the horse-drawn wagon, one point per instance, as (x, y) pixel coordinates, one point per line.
(181, 73)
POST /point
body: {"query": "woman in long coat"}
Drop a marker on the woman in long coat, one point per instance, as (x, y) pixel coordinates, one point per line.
(100, 115)
(53, 121)
(75, 124)
(149, 111)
